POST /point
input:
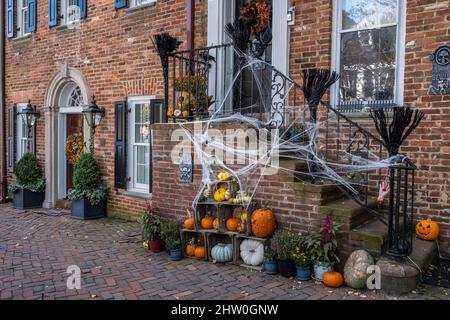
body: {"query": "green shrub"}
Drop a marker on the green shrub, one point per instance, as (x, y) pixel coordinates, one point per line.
(28, 174)
(87, 180)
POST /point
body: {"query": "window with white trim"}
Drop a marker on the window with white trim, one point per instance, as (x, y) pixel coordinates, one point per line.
(22, 18)
(139, 135)
(22, 134)
(368, 50)
(71, 11)
(137, 3)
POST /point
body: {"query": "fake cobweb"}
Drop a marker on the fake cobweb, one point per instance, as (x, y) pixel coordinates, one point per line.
(272, 138)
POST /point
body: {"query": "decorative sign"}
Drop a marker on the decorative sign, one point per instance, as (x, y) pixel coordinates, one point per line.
(440, 80)
(185, 168)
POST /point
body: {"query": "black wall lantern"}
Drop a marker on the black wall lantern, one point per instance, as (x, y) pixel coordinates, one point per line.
(93, 115)
(29, 116)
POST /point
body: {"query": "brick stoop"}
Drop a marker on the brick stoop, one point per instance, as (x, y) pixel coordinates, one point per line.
(401, 275)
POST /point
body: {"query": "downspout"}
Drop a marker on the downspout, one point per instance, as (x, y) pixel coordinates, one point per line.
(190, 17)
(3, 171)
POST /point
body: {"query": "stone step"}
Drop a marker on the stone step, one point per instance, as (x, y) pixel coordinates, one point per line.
(370, 236)
(401, 275)
(348, 212)
(326, 193)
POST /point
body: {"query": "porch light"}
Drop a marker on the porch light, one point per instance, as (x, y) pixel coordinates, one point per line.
(29, 115)
(93, 114)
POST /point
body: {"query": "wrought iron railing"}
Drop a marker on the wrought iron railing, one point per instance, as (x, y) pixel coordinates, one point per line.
(211, 80)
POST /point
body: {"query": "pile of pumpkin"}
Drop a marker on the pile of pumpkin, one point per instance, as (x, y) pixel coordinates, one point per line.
(194, 249)
(262, 221)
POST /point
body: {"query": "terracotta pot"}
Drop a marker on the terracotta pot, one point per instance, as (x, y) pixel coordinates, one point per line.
(155, 246)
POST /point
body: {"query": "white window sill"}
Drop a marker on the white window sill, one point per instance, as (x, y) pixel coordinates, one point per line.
(139, 7)
(139, 194)
(22, 37)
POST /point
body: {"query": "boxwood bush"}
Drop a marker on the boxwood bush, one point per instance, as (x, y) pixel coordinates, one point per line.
(87, 180)
(28, 175)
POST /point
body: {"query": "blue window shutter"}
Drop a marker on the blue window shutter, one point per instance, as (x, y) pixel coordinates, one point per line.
(118, 4)
(52, 13)
(83, 8)
(10, 18)
(31, 19)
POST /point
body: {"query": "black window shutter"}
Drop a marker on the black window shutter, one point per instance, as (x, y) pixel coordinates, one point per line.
(158, 114)
(120, 164)
(11, 138)
(33, 140)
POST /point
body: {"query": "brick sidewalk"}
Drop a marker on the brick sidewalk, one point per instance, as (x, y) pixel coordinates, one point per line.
(36, 249)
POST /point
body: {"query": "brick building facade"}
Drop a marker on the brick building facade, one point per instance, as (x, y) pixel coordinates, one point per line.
(110, 54)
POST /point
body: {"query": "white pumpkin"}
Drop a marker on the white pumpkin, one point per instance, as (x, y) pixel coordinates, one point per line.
(252, 252)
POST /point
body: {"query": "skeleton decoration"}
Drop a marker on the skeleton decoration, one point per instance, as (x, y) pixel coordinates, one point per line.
(440, 80)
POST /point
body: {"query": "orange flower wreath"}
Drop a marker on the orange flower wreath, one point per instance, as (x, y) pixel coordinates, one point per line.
(74, 146)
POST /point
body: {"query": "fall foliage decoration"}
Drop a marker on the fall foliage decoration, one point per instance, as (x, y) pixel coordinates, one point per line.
(74, 146)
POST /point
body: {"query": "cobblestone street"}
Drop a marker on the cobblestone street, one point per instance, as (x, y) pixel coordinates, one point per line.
(36, 249)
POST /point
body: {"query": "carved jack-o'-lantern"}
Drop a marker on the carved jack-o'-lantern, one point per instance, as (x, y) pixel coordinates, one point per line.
(427, 230)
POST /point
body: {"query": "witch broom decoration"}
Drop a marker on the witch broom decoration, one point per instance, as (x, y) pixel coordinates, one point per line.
(315, 84)
(165, 44)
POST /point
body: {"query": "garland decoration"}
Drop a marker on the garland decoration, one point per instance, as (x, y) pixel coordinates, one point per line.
(74, 146)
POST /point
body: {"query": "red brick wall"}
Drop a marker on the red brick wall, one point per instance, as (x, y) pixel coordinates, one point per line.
(172, 198)
(428, 27)
(122, 62)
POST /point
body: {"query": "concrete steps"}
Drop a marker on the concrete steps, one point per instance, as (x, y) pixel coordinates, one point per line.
(370, 236)
(348, 212)
(401, 275)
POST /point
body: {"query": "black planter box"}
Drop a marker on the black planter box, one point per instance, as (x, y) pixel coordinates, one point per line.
(82, 209)
(27, 199)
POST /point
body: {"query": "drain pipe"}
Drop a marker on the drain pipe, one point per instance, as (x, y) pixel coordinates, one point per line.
(3, 173)
(190, 16)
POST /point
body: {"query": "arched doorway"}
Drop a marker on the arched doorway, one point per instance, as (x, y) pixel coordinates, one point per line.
(66, 96)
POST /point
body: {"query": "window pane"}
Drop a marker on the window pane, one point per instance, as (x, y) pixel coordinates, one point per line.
(142, 164)
(364, 14)
(368, 64)
(142, 123)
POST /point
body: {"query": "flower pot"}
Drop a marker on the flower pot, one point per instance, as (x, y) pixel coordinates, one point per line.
(155, 245)
(27, 199)
(320, 267)
(175, 255)
(304, 273)
(82, 209)
(270, 267)
(286, 268)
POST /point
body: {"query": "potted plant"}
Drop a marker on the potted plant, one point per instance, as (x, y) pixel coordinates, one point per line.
(174, 245)
(28, 190)
(283, 243)
(151, 225)
(170, 234)
(89, 192)
(302, 264)
(322, 247)
(270, 262)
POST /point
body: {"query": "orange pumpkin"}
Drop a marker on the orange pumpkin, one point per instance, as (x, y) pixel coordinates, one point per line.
(207, 222)
(241, 228)
(332, 279)
(427, 230)
(232, 224)
(189, 223)
(216, 223)
(200, 252)
(263, 223)
(190, 249)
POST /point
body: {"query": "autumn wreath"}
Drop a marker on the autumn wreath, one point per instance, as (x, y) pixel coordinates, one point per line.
(74, 146)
